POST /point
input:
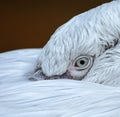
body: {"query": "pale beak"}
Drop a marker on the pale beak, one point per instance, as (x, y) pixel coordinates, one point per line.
(39, 75)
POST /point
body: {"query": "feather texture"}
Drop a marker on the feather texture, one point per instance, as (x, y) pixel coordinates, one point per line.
(93, 33)
(20, 97)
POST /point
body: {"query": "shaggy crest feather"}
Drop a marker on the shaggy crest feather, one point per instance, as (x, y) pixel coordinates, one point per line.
(95, 33)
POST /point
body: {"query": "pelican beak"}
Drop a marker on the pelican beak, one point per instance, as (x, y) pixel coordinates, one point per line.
(39, 75)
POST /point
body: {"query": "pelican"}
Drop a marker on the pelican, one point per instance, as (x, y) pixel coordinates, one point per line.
(76, 74)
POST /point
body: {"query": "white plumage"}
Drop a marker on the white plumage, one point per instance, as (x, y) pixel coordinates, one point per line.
(94, 34)
(21, 97)
(50, 98)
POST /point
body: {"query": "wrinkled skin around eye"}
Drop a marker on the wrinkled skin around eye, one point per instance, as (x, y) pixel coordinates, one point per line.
(78, 71)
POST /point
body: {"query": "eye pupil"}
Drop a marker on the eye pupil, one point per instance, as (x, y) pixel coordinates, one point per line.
(82, 62)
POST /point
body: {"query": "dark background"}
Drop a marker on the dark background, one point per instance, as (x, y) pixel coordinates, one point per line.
(29, 24)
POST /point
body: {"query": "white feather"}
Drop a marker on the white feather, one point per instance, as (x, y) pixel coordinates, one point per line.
(20, 97)
(94, 33)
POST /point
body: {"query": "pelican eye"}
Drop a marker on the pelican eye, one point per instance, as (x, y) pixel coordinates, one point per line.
(83, 62)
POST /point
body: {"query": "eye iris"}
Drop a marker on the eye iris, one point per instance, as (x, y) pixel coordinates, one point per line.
(82, 62)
